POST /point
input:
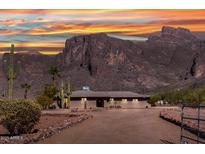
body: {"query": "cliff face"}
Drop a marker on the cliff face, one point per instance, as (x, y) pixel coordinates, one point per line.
(102, 62)
(178, 50)
(172, 59)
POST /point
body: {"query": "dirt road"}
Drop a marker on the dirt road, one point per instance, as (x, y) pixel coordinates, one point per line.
(120, 126)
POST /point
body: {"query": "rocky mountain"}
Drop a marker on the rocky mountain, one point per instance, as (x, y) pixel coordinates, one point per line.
(173, 59)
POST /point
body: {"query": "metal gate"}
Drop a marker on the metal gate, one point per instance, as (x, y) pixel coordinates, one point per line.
(196, 119)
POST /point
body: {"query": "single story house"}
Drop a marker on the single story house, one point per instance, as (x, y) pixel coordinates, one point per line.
(115, 99)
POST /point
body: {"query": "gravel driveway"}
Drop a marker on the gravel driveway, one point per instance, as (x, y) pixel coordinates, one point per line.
(121, 126)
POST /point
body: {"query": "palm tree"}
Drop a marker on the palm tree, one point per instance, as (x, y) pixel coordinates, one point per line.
(54, 72)
(26, 87)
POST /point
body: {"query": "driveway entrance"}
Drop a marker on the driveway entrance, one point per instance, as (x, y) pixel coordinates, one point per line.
(121, 126)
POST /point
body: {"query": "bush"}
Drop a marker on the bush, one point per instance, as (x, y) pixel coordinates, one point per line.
(50, 91)
(19, 117)
(47, 96)
(188, 96)
(173, 97)
(44, 101)
(191, 97)
(153, 99)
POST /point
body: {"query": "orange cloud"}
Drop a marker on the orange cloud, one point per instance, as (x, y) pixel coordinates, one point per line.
(125, 22)
(98, 14)
(32, 44)
(12, 22)
(123, 28)
(192, 19)
(57, 11)
(138, 12)
(9, 32)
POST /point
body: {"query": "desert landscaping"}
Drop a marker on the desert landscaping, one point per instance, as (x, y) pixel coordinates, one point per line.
(100, 80)
(128, 126)
(148, 125)
(49, 124)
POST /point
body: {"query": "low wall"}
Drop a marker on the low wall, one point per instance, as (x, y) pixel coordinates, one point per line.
(80, 105)
(139, 104)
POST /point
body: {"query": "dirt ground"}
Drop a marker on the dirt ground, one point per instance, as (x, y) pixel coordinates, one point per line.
(121, 126)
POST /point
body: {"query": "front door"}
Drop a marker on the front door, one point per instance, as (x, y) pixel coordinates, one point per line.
(99, 103)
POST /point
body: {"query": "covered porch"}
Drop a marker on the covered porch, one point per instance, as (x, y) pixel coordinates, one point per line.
(108, 99)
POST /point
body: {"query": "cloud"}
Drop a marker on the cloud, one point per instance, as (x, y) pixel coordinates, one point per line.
(27, 26)
(186, 22)
(32, 44)
(9, 32)
(12, 22)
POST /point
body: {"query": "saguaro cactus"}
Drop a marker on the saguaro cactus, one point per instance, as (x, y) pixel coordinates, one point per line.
(69, 92)
(62, 96)
(10, 73)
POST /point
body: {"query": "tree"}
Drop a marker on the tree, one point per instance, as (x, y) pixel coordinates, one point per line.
(54, 72)
(26, 87)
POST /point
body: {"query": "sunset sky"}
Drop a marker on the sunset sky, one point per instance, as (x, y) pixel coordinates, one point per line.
(50, 28)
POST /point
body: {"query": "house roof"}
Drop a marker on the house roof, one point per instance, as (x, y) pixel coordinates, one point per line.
(106, 94)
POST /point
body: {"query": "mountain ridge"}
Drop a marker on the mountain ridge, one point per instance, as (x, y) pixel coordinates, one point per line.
(172, 59)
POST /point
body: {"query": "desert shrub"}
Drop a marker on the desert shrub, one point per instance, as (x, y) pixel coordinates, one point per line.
(173, 96)
(19, 116)
(188, 96)
(153, 99)
(201, 94)
(191, 97)
(44, 101)
(50, 91)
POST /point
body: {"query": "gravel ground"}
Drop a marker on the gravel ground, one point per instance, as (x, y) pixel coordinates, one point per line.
(121, 126)
(49, 124)
(45, 122)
